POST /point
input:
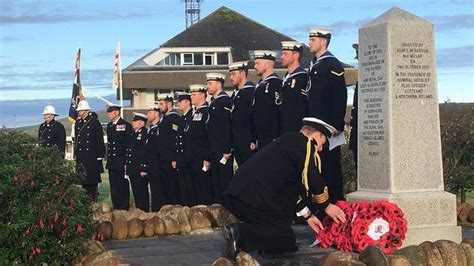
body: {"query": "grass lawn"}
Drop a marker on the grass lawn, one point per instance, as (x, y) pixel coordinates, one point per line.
(104, 189)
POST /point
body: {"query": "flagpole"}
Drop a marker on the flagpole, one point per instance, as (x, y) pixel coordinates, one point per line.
(97, 96)
(120, 80)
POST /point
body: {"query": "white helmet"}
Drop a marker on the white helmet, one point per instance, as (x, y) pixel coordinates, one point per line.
(83, 106)
(49, 110)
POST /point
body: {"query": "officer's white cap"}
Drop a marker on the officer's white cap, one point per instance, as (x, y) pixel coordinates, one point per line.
(83, 106)
(49, 110)
(320, 125)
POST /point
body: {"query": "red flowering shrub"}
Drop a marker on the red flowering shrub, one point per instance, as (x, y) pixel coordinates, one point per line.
(368, 223)
(44, 216)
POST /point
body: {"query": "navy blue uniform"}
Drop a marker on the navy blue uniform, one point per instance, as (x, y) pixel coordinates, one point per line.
(136, 157)
(186, 187)
(241, 120)
(220, 138)
(265, 113)
(119, 137)
(294, 100)
(53, 134)
(152, 168)
(327, 101)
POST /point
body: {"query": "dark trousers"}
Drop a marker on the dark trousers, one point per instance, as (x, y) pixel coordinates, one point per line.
(158, 198)
(242, 154)
(186, 189)
(119, 189)
(91, 191)
(170, 182)
(201, 181)
(221, 174)
(332, 172)
(262, 229)
(140, 192)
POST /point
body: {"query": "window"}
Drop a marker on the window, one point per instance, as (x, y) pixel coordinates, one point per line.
(198, 59)
(222, 58)
(172, 60)
(209, 59)
(188, 59)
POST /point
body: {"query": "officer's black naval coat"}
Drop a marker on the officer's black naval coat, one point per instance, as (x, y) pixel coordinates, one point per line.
(196, 152)
(220, 141)
(294, 100)
(53, 134)
(88, 147)
(327, 101)
(186, 188)
(266, 191)
(135, 164)
(241, 122)
(119, 138)
(265, 113)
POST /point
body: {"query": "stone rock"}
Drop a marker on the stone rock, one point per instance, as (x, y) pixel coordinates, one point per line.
(119, 229)
(244, 259)
(464, 214)
(469, 240)
(221, 261)
(135, 213)
(149, 228)
(88, 259)
(169, 210)
(93, 246)
(221, 216)
(106, 217)
(171, 226)
(432, 254)
(108, 258)
(146, 216)
(470, 218)
(159, 226)
(203, 231)
(106, 207)
(414, 254)
(459, 207)
(373, 256)
(340, 258)
(198, 219)
(135, 228)
(469, 252)
(398, 260)
(106, 229)
(451, 252)
(119, 215)
(186, 210)
(184, 226)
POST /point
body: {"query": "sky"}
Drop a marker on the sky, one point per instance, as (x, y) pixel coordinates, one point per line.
(39, 40)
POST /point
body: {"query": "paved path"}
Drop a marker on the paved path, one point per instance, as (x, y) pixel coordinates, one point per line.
(204, 249)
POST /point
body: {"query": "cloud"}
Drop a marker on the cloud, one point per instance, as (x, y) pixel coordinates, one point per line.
(456, 57)
(125, 53)
(11, 39)
(452, 22)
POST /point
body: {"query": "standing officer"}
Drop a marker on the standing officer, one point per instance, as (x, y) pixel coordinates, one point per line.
(119, 138)
(186, 188)
(242, 145)
(136, 163)
(293, 92)
(266, 100)
(196, 153)
(354, 116)
(327, 100)
(89, 148)
(151, 164)
(273, 185)
(51, 132)
(170, 147)
(220, 135)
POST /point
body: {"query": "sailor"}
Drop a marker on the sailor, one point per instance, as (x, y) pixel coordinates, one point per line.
(51, 132)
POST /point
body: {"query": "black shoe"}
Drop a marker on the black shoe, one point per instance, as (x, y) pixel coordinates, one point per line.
(234, 242)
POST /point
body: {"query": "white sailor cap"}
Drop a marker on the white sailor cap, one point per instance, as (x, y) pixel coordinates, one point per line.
(165, 97)
(139, 116)
(242, 65)
(265, 54)
(320, 125)
(320, 32)
(153, 108)
(197, 88)
(182, 96)
(113, 107)
(215, 76)
(292, 46)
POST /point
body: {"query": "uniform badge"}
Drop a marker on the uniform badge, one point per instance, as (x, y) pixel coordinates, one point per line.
(120, 128)
(337, 74)
(197, 117)
(174, 127)
(139, 137)
(266, 87)
(293, 83)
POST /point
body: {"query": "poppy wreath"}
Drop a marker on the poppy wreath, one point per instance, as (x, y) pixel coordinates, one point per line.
(379, 223)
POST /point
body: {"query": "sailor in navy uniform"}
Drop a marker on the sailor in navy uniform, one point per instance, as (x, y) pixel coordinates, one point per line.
(170, 141)
(273, 185)
(151, 163)
(354, 115)
(293, 92)
(89, 148)
(243, 146)
(220, 135)
(266, 101)
(51, 132)
(186, 187)
(327, 100)
(136, 163)
(196, 153)
(119, 138)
